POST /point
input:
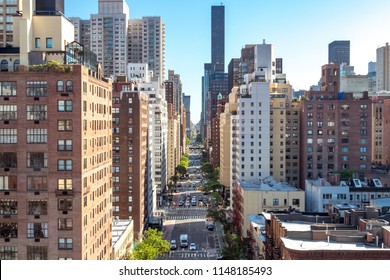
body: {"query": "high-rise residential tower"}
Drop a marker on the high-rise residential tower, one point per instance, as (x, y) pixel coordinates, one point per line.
(339, 52)
(109, 36)
(146, 39)
(7, 11)
(383, 69)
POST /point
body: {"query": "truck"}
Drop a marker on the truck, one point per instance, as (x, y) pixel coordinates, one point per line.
(184, 240)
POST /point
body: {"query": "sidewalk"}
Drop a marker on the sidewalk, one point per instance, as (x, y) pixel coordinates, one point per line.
(219, 233)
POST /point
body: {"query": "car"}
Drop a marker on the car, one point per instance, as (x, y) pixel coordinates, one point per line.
(192, 247)
(210, 226)
(173, 244)
(187, 204)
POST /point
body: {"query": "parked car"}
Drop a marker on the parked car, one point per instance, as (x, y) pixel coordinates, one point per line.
(210, 226)
(173, 244)
(192, 246)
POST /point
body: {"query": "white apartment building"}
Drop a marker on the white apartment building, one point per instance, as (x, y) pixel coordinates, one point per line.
(383, 69)
(158, 131)
(252, 141)
(109, 36)
(320, 196)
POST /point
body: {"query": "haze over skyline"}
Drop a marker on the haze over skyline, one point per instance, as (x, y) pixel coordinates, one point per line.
(301, 31)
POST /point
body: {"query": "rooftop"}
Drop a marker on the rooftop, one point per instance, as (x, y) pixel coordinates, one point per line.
(267, 184)
(118, 228)
(307, 245)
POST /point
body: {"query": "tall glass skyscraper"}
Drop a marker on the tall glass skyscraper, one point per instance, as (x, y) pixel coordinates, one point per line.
(339, 52)
(218, 37)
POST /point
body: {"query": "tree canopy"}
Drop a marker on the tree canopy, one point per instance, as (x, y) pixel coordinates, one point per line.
(151, 246)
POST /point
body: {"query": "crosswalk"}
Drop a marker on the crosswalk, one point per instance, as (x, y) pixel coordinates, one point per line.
(186, 217)
(187, 255)
(192, 208)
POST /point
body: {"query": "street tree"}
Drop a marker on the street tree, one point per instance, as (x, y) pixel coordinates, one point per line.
(151, 246)
(233, 247)
(181, 169)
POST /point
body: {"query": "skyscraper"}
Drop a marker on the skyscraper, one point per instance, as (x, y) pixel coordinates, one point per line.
(109, 36)
(218, 37)
(8, 10)
(339, 52)
(383, 68)
(146, 38)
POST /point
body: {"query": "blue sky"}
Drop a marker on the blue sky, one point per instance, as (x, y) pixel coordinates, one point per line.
(300, 29)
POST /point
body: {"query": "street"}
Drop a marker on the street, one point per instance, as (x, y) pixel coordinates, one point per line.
(190, 220)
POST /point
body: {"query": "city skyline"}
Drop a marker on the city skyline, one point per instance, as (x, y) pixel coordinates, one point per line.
(301, 34)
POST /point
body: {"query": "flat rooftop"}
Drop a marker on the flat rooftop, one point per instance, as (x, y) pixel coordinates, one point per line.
(267, 185)
(307, 245)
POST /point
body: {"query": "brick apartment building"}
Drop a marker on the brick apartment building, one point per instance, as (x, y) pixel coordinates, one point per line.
(335, 130)
(55, 164)
(130, 147)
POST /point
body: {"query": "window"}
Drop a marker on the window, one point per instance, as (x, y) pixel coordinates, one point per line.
(8, 183)
(4, 65)
(65, 184)
(65, 145)
(37, 42)
(8, 252)
(36, 183)
(36, 88)
(36, 135)
(8, 160)
(8, 207)
(65, 224)
(64, 165)
(37, 207)
(8, 136)
(8, 112)
(65, 243)
(49, 42)
(65, 105)
(65, 204)
(36, 112)
(36, 252)
(7, 88)
(60, 85)
(344, 149)
(16, 65)
(37, 230)
(275, 202)
(69, 86)
(341, 196)
(8, 230)
(64, 125)
(363, 149)
(36, 160)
